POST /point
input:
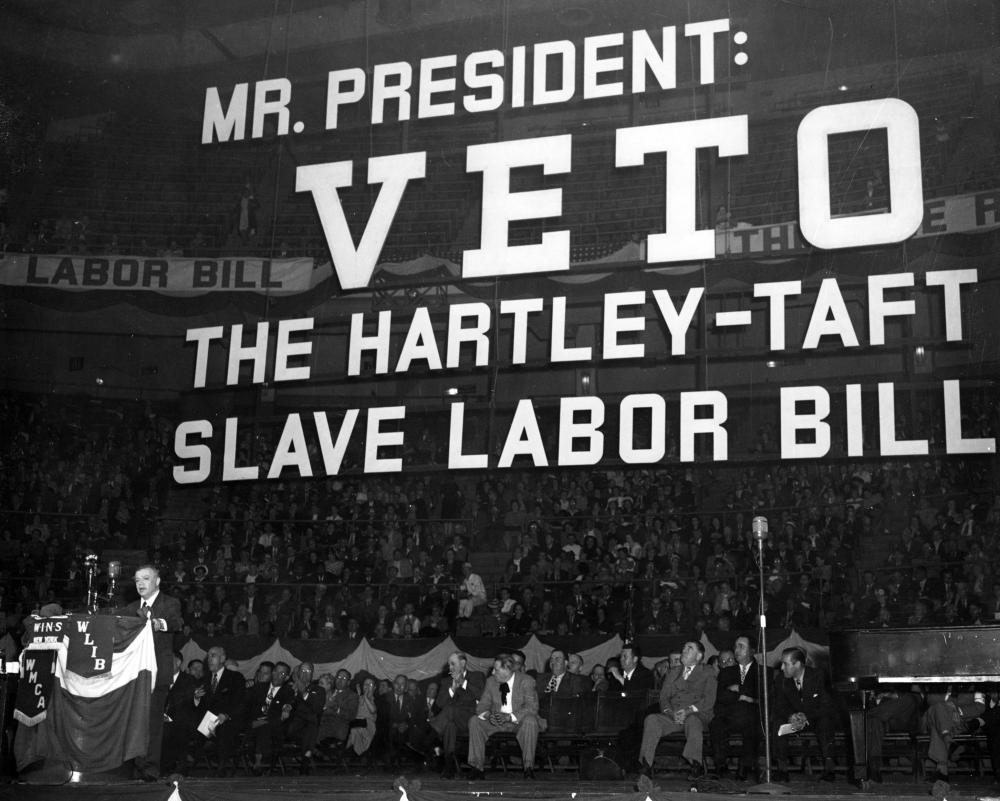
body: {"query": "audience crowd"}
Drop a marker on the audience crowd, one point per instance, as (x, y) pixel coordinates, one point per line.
(653, 551)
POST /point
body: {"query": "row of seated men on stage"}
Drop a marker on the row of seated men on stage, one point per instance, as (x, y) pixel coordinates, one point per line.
(692, 696)
(282, 705)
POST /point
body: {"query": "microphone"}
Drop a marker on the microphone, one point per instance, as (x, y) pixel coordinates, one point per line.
(759, 527)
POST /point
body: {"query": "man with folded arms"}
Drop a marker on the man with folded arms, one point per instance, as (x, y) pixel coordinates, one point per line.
(737, 711)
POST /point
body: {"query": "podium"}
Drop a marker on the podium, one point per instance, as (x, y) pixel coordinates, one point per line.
(83, 698)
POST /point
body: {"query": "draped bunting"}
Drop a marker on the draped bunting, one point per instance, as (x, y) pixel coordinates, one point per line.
(425, 657)
(96, 722)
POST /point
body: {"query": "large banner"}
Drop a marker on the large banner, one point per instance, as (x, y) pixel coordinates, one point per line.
(84, 699)
(166, 275)
(967, 213)
(959, 214)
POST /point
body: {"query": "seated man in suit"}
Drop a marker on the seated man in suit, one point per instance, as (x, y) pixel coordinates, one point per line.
(268, 707)
(737, 711)
(398, 710)
(457, 696)
(947, 716)
(632, 678)
(802, 702)
(687, 701)
(558, 682)
(307, 708)
(221, 692)
(422, 736)
(989, 722)
(340, 709)
(508, 704)
(892, 711)
(629, 685)
(179, 719)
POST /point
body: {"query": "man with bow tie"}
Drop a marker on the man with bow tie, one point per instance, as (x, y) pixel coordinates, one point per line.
(164, 614)
(509, 703)
(802, 702)
(687, 701)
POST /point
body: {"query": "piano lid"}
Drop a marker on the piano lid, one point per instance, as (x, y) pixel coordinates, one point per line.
(916, 655)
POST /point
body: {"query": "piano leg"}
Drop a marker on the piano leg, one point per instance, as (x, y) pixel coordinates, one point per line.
(859, 743)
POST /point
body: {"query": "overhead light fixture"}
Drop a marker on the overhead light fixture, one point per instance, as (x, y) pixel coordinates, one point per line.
(451, 391)
(842, 87)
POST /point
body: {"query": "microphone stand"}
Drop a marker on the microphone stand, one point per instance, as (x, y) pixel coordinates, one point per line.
(90, 563)
(766, 787)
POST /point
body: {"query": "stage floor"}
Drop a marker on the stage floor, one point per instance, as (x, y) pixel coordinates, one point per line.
(379, 784)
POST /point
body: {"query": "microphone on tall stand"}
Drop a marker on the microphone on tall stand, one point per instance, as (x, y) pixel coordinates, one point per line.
(759, 528)
(90, 568)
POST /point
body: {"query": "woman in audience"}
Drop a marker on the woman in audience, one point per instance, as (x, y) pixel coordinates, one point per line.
(360, 737)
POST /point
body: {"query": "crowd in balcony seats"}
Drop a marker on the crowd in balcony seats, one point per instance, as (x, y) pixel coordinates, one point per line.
(582, 552)
(632, 552)
(77, 478)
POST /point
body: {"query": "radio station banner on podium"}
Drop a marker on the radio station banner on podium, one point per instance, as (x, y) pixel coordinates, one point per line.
(84, 693)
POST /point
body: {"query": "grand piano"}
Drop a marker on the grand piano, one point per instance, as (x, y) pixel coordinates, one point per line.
(864, 659)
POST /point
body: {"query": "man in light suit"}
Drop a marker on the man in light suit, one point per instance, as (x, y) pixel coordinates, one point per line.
(687, 701)
(164, 614)
(508, 704)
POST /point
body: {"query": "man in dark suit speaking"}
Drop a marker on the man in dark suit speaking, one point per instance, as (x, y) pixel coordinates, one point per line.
(164, 615)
